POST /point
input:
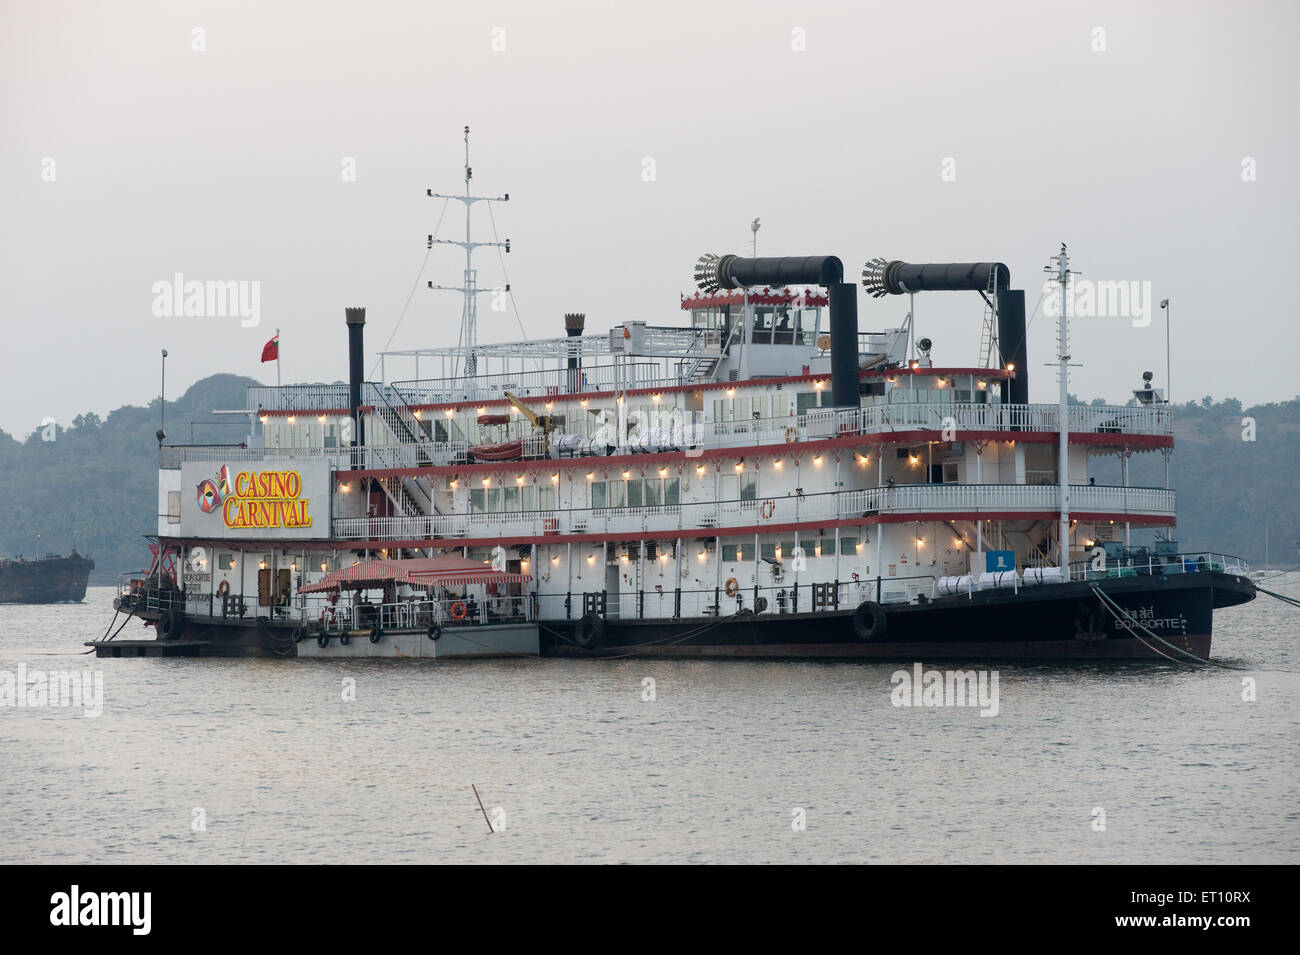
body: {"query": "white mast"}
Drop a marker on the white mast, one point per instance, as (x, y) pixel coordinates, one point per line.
(1060, 269)
(469, 313)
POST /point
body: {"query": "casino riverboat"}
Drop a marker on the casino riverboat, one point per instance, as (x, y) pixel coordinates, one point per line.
(761, 479)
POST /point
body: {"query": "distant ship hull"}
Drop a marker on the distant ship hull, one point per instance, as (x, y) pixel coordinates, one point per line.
(1049, 622)
(48, 580)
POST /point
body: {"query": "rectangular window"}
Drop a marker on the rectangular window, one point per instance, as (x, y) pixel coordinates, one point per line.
(527, 498)
(510, 498)
(805, 401)
(173, 507)
(546, 498)
(848, 546)
(748, 487)
(225, 562)
(730, 553)
(476, 505)
(493, 499)
(654, 492)
(634, 493)
(768, 551)
(719, 411)
(599, 495)
(672, 491)
(617, 494)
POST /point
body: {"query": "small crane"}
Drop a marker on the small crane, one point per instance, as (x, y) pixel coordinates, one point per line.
(543, 422)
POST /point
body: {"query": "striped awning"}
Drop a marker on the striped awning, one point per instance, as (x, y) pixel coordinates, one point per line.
(417, 571)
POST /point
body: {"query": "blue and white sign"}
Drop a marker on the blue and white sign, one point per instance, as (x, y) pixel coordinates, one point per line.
(998, 560)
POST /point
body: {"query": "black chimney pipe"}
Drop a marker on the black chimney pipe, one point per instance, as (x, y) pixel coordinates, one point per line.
(713, 272)
(574, 323)
(356, 318)
(881, 278)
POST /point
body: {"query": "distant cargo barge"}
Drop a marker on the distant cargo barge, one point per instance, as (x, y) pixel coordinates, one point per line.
(45, 580)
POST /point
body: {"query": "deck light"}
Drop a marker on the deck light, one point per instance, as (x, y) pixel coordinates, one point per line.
(740, 465)
(699, 469)
(591, 558)
(657, 398)
(487, 481)
(555, 560)
(915, 365)
(263, 419)
(519, 479)
(1011, 367)
(591, 475)
(449, 412)
(702, 556)
(261, 564)
(292, 418)
(345, 487)
(454, 484)
(819, 384)
(626, 475)
(320, 418)
(663, 472)
(983, 385)
(778, 464)
(555, 478)
(324, 566)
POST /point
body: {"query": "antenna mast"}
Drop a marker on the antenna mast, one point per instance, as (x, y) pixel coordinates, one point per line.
(469, 289)
(1060, 271)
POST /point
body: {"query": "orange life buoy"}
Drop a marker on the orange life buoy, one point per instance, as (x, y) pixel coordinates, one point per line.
(223, 588)
(327, 616)
(458, 610)
(732, 586)
(767, 509)
(791, 434)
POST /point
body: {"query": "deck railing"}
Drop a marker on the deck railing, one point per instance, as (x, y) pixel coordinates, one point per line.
(694, 519)
(954, 419)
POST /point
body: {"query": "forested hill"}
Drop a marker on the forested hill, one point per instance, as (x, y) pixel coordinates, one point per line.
(96, 484)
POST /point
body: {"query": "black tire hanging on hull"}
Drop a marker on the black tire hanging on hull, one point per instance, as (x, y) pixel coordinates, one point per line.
(869, 620)
(589, 631)
(171, 625)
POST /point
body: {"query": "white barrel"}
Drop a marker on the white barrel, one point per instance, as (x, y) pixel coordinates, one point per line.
(954, 586)
(1043, 575)
(998, 580)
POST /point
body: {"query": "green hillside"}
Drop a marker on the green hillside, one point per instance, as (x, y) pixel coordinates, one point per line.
(95, 485)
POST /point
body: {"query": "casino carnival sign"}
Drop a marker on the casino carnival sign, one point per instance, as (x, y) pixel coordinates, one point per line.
(286, 498)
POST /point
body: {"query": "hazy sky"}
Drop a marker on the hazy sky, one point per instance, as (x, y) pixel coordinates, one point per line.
(1134, 145)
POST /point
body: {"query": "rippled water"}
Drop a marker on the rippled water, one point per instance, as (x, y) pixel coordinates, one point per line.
(581, 769)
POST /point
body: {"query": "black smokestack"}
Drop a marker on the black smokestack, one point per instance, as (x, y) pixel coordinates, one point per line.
(1011, 342)
(356, 318)
(881, 278)
(844, 345)
(574, 323)
(713, 272)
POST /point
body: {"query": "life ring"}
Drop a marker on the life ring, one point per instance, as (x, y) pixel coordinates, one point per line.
(434, 631)
(791, 434)
(223, 588)
(869, 620)
(589, 630)
(376, 634)
(171, 625)
(323, 641)
(327, 617)
(458, 610)
(767, 509)
(732, 586)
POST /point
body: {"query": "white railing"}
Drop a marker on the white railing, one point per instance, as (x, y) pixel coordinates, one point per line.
(958, 419)
(419, 614)
(689, 519)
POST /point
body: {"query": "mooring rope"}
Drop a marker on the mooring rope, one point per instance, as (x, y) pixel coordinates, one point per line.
(1133, 626)
(1282, 597)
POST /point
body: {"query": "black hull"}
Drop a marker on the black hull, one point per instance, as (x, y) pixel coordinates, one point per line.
(1038, 623)
(48, 581)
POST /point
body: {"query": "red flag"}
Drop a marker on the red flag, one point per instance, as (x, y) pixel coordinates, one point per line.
(271, 350)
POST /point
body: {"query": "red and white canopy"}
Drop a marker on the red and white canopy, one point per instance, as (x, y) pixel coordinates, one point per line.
(417, 571)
